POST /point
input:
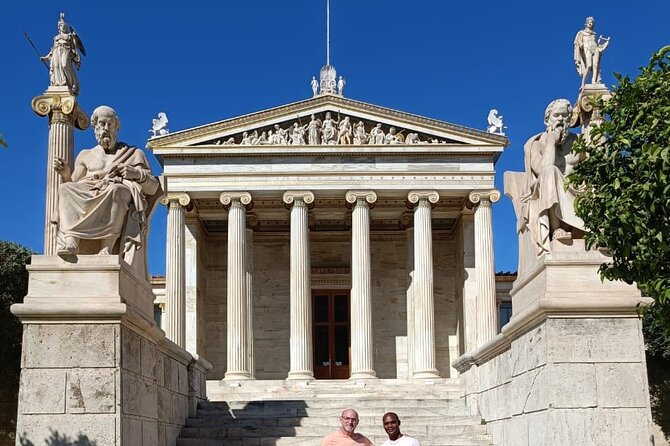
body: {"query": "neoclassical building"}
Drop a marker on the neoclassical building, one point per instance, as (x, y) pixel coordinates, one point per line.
(329, 238)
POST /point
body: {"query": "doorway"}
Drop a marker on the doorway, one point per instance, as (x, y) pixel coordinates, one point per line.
(331, 337)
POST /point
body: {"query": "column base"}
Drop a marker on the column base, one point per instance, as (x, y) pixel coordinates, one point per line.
(363, 374)
(237, 376)
(426, 374)
(303, 375)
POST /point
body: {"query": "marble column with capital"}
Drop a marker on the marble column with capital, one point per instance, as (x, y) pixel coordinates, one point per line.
(175, 269)
(237, 333)
(362, 352)
(484, 265)
(301, 294)
(422, 287)
(65, 115)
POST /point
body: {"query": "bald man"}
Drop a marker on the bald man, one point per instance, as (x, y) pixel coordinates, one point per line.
(345, 435)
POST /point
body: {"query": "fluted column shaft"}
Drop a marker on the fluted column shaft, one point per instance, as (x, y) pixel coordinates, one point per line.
(175, 269)
(61, 145)
(410, 300)
(424, 310)
(301, 362)
(362, 352)
(237, 332)
(484, 265)
(64, 115)
(249, 276)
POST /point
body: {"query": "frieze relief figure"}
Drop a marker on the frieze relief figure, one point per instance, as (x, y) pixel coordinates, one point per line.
(587, 52)
(104, 203)
(64, 57)
(547, 206)
(325, 132)
(328, 130)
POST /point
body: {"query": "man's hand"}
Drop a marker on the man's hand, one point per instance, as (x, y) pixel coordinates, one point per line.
(129, 172)
(63, 169)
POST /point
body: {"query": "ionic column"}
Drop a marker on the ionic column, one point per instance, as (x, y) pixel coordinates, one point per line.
(406, 222)
(64, 115)
(362, 353)
(424, 305)
(301, 298)
(484, 266)
(175, 268)
(236, 287)
(252, 223)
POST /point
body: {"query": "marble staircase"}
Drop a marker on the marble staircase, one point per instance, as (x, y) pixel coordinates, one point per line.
(282, 413)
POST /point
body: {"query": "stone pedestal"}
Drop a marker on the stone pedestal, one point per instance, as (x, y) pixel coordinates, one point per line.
(570, 366)
(95, 369)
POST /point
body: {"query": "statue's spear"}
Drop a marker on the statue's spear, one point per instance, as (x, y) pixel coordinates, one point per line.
(30, 41)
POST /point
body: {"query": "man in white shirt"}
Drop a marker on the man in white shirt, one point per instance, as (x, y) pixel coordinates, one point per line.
(391, 424)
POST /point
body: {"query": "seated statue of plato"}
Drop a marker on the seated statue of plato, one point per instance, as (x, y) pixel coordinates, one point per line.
(105, 201)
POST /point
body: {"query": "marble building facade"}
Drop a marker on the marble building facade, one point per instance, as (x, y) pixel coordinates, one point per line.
(328, 239)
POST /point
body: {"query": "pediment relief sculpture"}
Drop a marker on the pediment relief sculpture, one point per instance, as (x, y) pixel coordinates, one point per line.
(327, 128)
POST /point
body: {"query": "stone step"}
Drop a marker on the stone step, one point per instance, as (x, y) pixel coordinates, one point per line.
(334, 413)
(367, 402)
(331, 422)
(300, 431)
(469, 440)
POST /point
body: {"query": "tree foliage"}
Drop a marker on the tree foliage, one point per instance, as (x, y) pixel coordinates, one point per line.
(13, 287)
(626, 204)
(3, 143)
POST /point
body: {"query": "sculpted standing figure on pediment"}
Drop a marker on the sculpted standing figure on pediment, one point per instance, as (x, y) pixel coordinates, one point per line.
(314, 131)
(329, 130)
(588, 50)
(108, 196)
(298, 134)
(360, 137)
(344, 131)
(376, 135)
(547, 206)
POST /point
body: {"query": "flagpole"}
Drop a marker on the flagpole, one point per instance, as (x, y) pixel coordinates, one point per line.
(327, 32)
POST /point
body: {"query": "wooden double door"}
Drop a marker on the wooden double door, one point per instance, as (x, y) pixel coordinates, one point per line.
(331, 333)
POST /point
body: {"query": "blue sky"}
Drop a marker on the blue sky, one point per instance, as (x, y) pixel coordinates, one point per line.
(202, 62)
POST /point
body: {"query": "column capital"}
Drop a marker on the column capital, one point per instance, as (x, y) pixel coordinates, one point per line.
(479, 196)
(182, 198)
(354, 195)
(414, 196)
(304, 195)
(61, 107)
(227, 198)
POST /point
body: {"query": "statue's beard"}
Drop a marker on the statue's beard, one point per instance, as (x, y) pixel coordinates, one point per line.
(561, 130)
(106, 140)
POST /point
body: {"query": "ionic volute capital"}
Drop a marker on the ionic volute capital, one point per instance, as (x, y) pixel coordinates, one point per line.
(291, 196)
(228, 198)
(415, 196)
(484, 196)
(61, 108)
(181, 198)
(353, 196)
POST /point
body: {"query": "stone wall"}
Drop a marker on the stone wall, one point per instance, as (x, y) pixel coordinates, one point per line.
(272, 301)
(568, 369)
(95, 369)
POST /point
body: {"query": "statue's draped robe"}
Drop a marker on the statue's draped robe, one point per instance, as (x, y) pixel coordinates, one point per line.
(545, 194)
(102, 204)
(61, 68)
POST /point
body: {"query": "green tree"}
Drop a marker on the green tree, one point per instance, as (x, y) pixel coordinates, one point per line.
(13, 287)
(3, 143)
(626, 204)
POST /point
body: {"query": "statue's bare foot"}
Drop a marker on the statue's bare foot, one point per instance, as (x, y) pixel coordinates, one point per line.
(561, 234)
(67, 246)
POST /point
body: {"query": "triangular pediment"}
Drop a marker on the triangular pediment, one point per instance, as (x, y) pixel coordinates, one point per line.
(326, 120)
